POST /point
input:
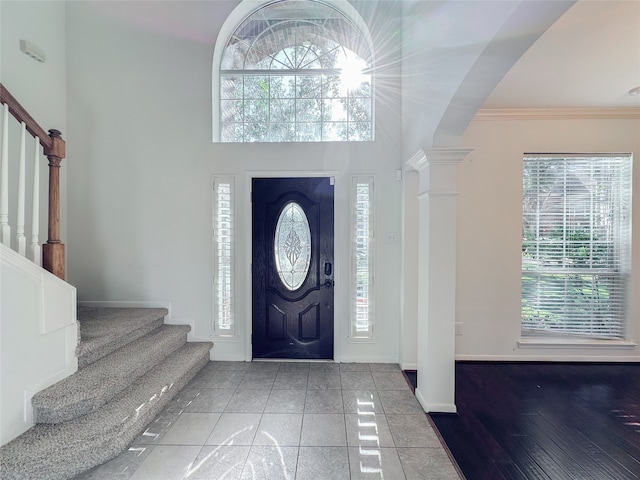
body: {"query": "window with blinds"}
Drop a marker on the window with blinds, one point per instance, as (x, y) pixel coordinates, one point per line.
(362, 258)
(223, 264)
(576, 241)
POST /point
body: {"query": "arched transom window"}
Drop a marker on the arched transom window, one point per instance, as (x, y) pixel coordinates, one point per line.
(296, 71)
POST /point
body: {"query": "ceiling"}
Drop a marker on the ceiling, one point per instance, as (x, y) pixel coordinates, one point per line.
(589, 58)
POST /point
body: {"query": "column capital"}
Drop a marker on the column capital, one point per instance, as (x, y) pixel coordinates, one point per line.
(437, 156)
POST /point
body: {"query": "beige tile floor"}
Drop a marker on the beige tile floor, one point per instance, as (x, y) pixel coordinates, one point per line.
(287, 420)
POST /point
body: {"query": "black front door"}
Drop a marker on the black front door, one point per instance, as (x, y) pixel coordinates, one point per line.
(292, 268)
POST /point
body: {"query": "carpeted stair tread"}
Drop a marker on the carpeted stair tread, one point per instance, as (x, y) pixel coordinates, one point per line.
(104, 330)
(61, 451)
(94, 385)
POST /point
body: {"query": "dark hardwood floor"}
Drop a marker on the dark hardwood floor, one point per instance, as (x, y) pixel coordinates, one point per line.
(545, 421)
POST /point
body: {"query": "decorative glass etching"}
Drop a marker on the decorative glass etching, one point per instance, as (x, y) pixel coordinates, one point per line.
(292, 246)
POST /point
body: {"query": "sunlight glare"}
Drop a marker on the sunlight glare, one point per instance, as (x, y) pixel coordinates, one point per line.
(352, 74)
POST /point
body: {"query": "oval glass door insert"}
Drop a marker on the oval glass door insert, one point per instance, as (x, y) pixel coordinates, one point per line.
(292, 246)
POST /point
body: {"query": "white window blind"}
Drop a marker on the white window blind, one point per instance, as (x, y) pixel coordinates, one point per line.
(223, 253)
(576, 240)
(362, 258)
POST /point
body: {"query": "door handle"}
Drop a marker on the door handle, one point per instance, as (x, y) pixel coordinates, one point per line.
(327, 268)
(329, 283)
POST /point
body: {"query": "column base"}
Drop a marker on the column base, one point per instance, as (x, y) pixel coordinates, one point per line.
(435, 407)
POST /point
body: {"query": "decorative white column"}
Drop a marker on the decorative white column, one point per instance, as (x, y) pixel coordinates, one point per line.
(437, 226)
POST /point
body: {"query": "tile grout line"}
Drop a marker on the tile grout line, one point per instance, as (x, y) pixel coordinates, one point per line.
(236, 390)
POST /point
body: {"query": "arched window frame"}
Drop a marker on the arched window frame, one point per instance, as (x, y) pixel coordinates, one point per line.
(245, 9)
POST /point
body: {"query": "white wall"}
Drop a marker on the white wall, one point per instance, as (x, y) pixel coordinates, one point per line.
(489, 232)
(38, 336)
(39, 87)
(142, 161)
(37, 316)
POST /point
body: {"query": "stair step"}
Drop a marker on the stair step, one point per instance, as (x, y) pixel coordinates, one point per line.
(94, 385)
(64, 450)
(104, 330)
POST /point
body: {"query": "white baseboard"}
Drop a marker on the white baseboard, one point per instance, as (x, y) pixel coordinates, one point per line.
(435, 407)
(548, 358)
(368, 359)
(129, 304)
(409, 366)
(213, 355)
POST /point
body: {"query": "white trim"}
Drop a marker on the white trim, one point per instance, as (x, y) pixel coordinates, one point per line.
(409, 366)
(497, 114)
(435, 407)
(368, 359)
(337, 254)
(361, 340)
(548, 358)
(437, 156)
(54, 310)
(230, 357)
(437, 193)
(20, 263)
(219, 339)
(418, 161)
(70, 367)
(574, 343)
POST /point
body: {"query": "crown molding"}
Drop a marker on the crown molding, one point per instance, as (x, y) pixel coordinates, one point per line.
(437, 156)
(495, 114)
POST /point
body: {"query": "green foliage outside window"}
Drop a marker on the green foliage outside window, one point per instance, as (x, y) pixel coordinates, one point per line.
(574, 238)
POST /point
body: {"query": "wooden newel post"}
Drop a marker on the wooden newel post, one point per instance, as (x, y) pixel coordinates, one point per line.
(53, 250)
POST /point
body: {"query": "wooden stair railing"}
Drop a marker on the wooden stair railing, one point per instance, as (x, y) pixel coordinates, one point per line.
(54, 149)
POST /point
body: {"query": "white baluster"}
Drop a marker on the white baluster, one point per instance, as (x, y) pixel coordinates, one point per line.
(35, 215)
(5, 229)
(20, 238)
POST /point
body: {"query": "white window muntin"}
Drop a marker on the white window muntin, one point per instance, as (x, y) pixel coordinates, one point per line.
(362, 320)
(321, 28)
(224, 256)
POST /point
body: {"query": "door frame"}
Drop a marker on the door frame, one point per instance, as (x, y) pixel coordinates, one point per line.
(340, 219)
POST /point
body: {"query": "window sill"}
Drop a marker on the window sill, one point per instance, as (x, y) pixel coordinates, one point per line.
(574, 343)
(362, 340)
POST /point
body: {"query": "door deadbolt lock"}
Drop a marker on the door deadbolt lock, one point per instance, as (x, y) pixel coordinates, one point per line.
(329, 283)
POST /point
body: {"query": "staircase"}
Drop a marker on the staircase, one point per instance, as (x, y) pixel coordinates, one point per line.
(130, 366)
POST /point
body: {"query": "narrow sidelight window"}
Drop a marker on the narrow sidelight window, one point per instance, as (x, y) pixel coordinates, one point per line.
(362, 320)
(223, 254)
